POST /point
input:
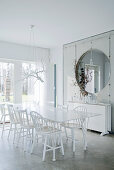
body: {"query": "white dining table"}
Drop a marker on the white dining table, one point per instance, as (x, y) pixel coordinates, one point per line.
(59, 115)
(56, 114)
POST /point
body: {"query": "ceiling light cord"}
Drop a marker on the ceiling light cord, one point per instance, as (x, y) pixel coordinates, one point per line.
(109, 85)
(91, 59)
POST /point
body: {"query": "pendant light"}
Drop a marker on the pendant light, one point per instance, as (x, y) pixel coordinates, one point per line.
(91, 59)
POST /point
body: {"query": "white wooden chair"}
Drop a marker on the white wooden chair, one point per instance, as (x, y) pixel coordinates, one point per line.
(26, 127)
(49, 131)
(79, 122)
(3, 117)
(14, 120)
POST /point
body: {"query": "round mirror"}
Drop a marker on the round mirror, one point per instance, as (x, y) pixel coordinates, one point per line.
(92, 71)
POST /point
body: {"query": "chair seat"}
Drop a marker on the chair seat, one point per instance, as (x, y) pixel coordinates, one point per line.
(48, 130)
(71, 125)
(15, 122)
(5, 114)
(30, 126)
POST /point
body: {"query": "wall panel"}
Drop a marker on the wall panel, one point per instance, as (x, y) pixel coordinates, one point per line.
(100, 42)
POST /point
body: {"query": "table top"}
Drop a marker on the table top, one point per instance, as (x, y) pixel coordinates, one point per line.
(100, 104)
(57, 114)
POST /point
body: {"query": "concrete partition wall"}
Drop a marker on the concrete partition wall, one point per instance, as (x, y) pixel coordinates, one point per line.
(17, 54)
(73, 51)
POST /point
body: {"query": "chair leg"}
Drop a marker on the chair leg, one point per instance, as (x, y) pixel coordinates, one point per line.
(44, 150)
(33, 144)
(84, 137)
(14, 133)
(23, 135)
(37, 138)
(19, 137)
(61, 141)
(10, 130)
(58, 139)
(73, 139)
(66, 133)
(53, 155)
(25, 144)
(1, 118)
(3, 126)
(32, 135)
(53, 145)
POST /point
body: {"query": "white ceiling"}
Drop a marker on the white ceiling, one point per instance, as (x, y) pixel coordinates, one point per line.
(56, 22)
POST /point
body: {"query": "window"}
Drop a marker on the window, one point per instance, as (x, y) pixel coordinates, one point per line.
(6, 81)
(33, 89)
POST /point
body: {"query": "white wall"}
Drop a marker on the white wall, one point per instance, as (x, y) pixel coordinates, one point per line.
(21, 52)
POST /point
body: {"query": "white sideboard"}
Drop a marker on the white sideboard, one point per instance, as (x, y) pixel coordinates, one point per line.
(101, 123)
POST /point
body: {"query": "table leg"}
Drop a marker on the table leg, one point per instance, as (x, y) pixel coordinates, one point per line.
(84, 131)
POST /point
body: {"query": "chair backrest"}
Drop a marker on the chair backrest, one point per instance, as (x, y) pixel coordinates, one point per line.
(80, 115)
(24, 118)
(38, 120)
(12, 113)
(2, 109)
(64, 107)
(81, 111)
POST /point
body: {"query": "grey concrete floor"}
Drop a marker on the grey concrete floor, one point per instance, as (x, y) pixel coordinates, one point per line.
(99, 155)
